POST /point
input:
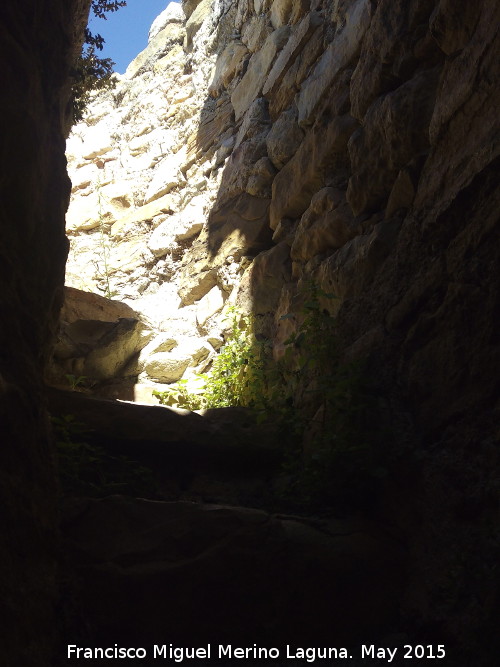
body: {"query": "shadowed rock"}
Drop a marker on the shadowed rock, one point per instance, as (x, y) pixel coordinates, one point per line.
(154, 572)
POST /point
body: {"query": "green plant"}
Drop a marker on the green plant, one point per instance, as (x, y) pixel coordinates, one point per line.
(179, 396)
(326, 410)
(237, 377)
(75, 381)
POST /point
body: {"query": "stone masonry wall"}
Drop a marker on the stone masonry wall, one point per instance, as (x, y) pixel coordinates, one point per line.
(253, 146)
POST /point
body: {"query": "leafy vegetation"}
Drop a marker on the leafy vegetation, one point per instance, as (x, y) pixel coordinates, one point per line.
(326, 410)
(90, 71)
(239, 374)
(75, 381)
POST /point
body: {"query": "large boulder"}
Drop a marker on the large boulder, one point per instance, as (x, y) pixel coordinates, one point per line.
(98, 337)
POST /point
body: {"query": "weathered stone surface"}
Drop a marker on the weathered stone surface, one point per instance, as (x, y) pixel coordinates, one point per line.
(209, 305)
(262, 6)
(286, 92)
(147, 212)
(36, 56)
(172, 14)
(327, 225)
(229, 65)
(284, 138)
(240, 166)
(420, 304)
(284, 12)
(161, 343)
(167, 366)
(255, 32)
(166, 358)
(99, 208)
(86, 216)
(97, 142)
(261, 178)
(255, 122)
(308, 56)
(160, 44)
(194, 22)
(106, 346)
(167, 176)
(240, 227)
(188, 6)
(395, 43)
(453, 24)
(125, 256)
(214, 122)
(261, 285)
(177, 227)
(402, 193)
(202, 280)
(299, 37)
(254, 78)
(395, 129)
(339, 54)
(323, 149)
(166, 560)
(228, 438)
(80, 305)
(349, 270)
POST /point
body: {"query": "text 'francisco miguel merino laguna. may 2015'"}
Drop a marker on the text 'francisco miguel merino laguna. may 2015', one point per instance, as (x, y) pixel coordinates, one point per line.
(178, 654)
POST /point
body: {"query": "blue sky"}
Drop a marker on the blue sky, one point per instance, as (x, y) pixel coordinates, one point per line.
(126, 31)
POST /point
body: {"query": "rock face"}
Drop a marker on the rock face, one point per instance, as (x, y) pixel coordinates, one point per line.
(36, 58)
(98, 338)
(170, 564)
(257, 146)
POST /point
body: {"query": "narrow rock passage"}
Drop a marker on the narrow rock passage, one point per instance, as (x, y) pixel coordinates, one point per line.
(158, 572)
(150, 571)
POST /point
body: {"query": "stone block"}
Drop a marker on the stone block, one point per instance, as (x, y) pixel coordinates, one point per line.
(250, 86)
(240, 227)
(323, 150)
(166, 176)
(327, 225)
(260, 287)
(209, 305)
(229, 64)
(255, 32)
(194, 22)
(395, 129)
(149, 211)
(284, 139)
(167, 366)
(339, 54)
(172, 14)
(299, 37)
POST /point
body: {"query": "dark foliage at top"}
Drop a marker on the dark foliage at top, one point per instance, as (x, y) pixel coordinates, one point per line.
(92, 72)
